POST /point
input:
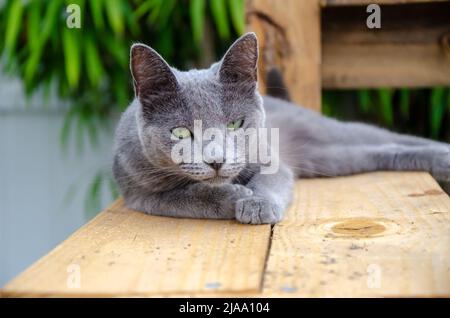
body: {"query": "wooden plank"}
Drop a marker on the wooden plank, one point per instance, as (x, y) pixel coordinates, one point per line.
(328, 3)
(412, 48)
(377, 234)
(127, 253)
(289, 40)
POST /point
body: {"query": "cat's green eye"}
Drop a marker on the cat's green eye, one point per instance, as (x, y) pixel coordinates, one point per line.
(235, 125)
(181, 132)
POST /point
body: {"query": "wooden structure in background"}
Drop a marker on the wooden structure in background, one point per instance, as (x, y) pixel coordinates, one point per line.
(375, 234)
(412, 48)
(326, 44)
(289, 39)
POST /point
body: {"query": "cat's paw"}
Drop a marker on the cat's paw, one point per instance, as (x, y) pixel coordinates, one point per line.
(236, 191)
(441, 165)
(257, 210)
(226, 196)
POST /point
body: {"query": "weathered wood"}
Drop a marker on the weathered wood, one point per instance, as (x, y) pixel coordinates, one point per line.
(378, 234)
(412, 48)
(289, 40)
(126, 253)
(339, 236)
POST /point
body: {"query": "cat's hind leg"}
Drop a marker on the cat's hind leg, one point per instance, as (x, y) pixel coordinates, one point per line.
(338, 160)
(359, 133)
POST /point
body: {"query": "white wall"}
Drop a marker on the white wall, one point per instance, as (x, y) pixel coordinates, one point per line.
(35, 178)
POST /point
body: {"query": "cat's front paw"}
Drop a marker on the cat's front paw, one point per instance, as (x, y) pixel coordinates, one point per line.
(257, 210)
(226, 196)
(236, 191)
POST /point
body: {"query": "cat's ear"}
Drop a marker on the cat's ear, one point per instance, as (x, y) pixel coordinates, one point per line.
(152, 75)
(239, 65)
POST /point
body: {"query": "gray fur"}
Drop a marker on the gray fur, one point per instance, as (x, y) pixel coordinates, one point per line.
(311, 144)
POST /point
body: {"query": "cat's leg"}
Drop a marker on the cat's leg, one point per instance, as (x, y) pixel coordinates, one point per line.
(271, 195)
(336, 160)
(197, 200)
(359, 133)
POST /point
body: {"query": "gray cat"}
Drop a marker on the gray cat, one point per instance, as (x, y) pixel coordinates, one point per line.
(225, 96)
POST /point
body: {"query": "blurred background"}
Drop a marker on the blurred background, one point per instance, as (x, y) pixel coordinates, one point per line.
(62, 91)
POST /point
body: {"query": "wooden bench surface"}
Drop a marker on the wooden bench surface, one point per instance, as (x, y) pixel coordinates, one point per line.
(376, 234)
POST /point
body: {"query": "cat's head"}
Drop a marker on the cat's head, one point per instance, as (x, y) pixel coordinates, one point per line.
(223, 97)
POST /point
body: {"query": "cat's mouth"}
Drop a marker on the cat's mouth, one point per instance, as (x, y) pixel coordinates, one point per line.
(210, 175)
(213, 179)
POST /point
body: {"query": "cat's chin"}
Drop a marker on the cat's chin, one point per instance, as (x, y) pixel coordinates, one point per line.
(217, 180)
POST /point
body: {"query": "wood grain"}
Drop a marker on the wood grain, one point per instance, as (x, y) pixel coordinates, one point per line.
(412, 48)
(127, 253)
(377, 234)
(289, 40)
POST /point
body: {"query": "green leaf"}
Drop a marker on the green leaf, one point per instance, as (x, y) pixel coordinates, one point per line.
(237, 10)
(33, 38)
(94, 65)
(438, 106)
(31, 65)
(326, 107)
(120, 89)
(364, 100)
(114, 14)
(33, 29)
(385, 99)
(130, 22)
(165, 13)
(219, 12)
(448, 100)
(197, 15)
(13, 24)
(71, 47)
(404, 102)
(116, 49)
(52, 14)
(165, 43)
(143, 9)
(97, 13)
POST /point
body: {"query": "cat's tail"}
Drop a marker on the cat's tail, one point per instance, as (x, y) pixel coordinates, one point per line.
(275, 85)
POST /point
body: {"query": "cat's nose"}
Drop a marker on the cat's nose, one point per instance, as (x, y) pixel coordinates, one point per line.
(216, 165)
